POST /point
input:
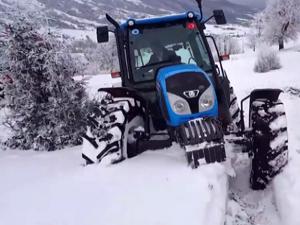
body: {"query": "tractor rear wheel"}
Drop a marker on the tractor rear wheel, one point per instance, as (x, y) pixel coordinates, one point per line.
(270, 141)
(110, 130)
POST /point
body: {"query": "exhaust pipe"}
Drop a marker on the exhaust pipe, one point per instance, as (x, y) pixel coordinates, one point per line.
(199, 2)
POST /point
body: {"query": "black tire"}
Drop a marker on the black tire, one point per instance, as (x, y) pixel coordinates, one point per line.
(130, 141)
(108, 128)
(234, 110)
(270, 141)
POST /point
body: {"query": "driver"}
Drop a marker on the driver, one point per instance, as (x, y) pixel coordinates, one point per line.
(161, 54)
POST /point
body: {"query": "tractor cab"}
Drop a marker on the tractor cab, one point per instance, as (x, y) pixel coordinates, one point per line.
(154, 44)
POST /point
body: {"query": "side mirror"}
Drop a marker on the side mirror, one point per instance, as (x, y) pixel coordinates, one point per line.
(220, 17)
(102, 34)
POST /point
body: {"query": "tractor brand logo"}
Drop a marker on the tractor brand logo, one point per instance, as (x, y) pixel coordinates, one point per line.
(191, 94)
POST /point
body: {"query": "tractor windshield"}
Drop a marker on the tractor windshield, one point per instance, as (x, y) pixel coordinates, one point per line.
(152, 47)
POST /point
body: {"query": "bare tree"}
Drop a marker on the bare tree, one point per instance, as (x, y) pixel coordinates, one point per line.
(281, 18)
(255, 35)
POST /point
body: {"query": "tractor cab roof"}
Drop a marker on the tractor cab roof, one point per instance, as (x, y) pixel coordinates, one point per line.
(160, 20)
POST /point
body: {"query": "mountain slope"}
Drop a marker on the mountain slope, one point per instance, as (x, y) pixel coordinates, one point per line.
(82, 13)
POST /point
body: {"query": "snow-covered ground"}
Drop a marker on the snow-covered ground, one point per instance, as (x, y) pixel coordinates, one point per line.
(156, 188)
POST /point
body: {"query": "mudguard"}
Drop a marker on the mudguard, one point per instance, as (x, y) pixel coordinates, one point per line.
(127, 94)
(270, 94)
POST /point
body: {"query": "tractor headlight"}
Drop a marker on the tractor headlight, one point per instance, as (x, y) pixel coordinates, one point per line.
(179, 105)
(206, 103)
(207, 100)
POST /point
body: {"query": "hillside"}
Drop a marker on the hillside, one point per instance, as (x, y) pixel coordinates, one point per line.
(78, 14)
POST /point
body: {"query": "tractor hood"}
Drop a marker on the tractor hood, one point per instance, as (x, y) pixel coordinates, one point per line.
(185, 93)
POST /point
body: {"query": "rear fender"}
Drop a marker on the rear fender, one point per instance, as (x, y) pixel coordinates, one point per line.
(269, 94)
(138, 105)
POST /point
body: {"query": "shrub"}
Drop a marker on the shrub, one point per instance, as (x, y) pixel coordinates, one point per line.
(267, 59)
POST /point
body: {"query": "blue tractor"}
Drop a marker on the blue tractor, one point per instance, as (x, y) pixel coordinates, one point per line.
(174, 91)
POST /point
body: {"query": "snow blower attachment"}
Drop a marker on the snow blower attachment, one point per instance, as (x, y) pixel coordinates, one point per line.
(173, 91)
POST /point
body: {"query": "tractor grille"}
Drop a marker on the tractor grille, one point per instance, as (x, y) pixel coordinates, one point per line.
(200, 130)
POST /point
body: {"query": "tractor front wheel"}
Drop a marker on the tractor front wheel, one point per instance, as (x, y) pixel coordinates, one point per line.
(270, 141)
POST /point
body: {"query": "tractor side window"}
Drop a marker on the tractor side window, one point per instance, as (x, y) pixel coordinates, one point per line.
(213, 49)
(205, 62)
(215, 53)
(142, 56)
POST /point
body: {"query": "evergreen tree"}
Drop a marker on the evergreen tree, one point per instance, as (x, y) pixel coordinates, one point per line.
(47, 105)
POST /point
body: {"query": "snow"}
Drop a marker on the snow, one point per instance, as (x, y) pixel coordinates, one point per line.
(4, 3)
(287, 192)
(234, 30)
(136, 2)
(105, 80)
(156, 188)
(250, 207)
(77, 34)
(77, 19)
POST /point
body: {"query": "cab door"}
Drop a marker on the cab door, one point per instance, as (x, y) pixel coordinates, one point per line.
(222, 84)
(221, 73)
